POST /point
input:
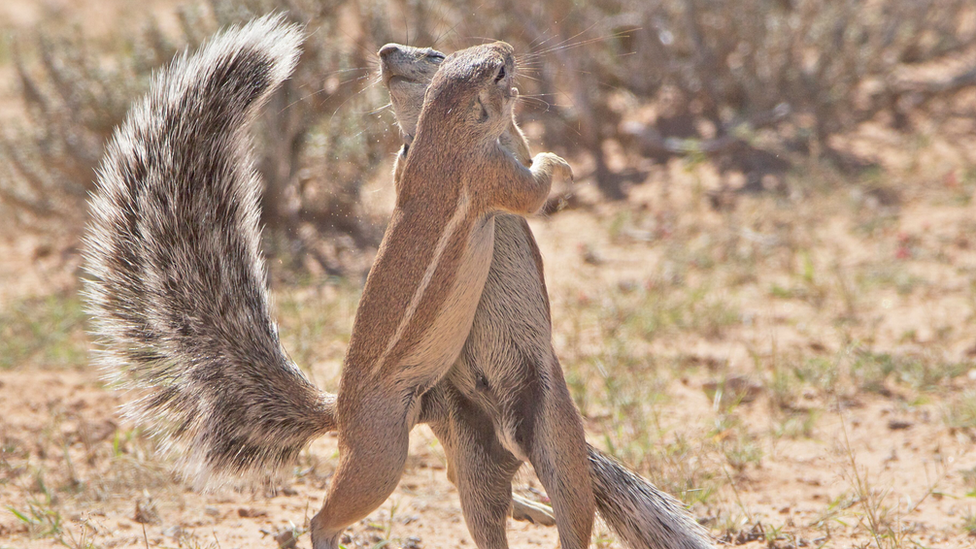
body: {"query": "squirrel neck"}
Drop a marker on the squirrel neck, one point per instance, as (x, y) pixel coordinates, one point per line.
(447, 159)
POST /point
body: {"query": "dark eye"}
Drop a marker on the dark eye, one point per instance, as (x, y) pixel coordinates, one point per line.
(435, 56)
(501, 74)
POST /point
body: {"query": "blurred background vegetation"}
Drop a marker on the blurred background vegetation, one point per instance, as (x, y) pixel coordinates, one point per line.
(756, 88)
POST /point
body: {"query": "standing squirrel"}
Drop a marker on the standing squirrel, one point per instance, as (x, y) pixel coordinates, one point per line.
(513, 322)
(178, 291)
(505, 400)
(418, 305)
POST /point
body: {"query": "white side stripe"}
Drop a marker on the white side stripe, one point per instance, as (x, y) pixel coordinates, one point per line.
(460, 212)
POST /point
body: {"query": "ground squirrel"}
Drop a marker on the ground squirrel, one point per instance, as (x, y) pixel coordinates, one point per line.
(177, 288)
(507, 381)
(512, 322)
(425, 284)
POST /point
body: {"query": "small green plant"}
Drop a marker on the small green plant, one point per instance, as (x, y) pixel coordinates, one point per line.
(40, 516)
(969, 523)
(923, 373)
(960, 412)
(969, 477)
(388, 528)
(739, 447)
(49, 331)
(85, 538)
(874, 516)
(799, 424)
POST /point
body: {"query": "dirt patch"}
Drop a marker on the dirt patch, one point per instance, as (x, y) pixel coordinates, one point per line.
(865, 444)
(72, 470)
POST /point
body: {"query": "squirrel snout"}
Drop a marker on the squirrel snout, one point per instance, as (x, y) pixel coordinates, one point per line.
(387, 50)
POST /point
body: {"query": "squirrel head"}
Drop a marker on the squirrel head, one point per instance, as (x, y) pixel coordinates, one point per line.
(406, 72)
(471, 96)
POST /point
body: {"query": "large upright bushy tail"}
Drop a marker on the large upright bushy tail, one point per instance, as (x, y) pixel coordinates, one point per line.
(178, 291)
(641, 516)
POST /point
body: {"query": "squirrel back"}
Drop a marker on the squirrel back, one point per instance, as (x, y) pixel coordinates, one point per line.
(177, 287)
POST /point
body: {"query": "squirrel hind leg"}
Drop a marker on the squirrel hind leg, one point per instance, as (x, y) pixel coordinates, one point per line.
(368, 471)
(549, 431)
(484, 470)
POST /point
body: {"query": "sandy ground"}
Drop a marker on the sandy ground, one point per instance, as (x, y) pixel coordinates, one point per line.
(67, 422)
(887, 456)
(787, 281)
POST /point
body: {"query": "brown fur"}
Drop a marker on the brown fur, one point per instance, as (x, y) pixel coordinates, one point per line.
(492, 366)
(532, 415)
(179, 296)
(177, 288)
(421, 294)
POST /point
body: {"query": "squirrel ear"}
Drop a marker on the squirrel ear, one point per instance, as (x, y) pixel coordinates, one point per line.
(483, 114)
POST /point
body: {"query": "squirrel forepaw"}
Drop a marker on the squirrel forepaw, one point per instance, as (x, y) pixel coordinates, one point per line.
(553, 164)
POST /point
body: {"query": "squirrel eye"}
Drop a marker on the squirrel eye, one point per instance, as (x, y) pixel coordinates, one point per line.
(436, 56)
(501, 74)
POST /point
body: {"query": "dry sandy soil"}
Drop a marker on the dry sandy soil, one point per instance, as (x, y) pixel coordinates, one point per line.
(826, 462)
(798, 367)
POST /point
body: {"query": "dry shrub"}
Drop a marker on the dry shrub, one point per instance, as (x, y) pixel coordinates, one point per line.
(741, 83)
(316, 147)
(747, 84)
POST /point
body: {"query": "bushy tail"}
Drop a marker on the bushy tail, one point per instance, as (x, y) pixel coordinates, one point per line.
(639, 514)
(178, 291)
